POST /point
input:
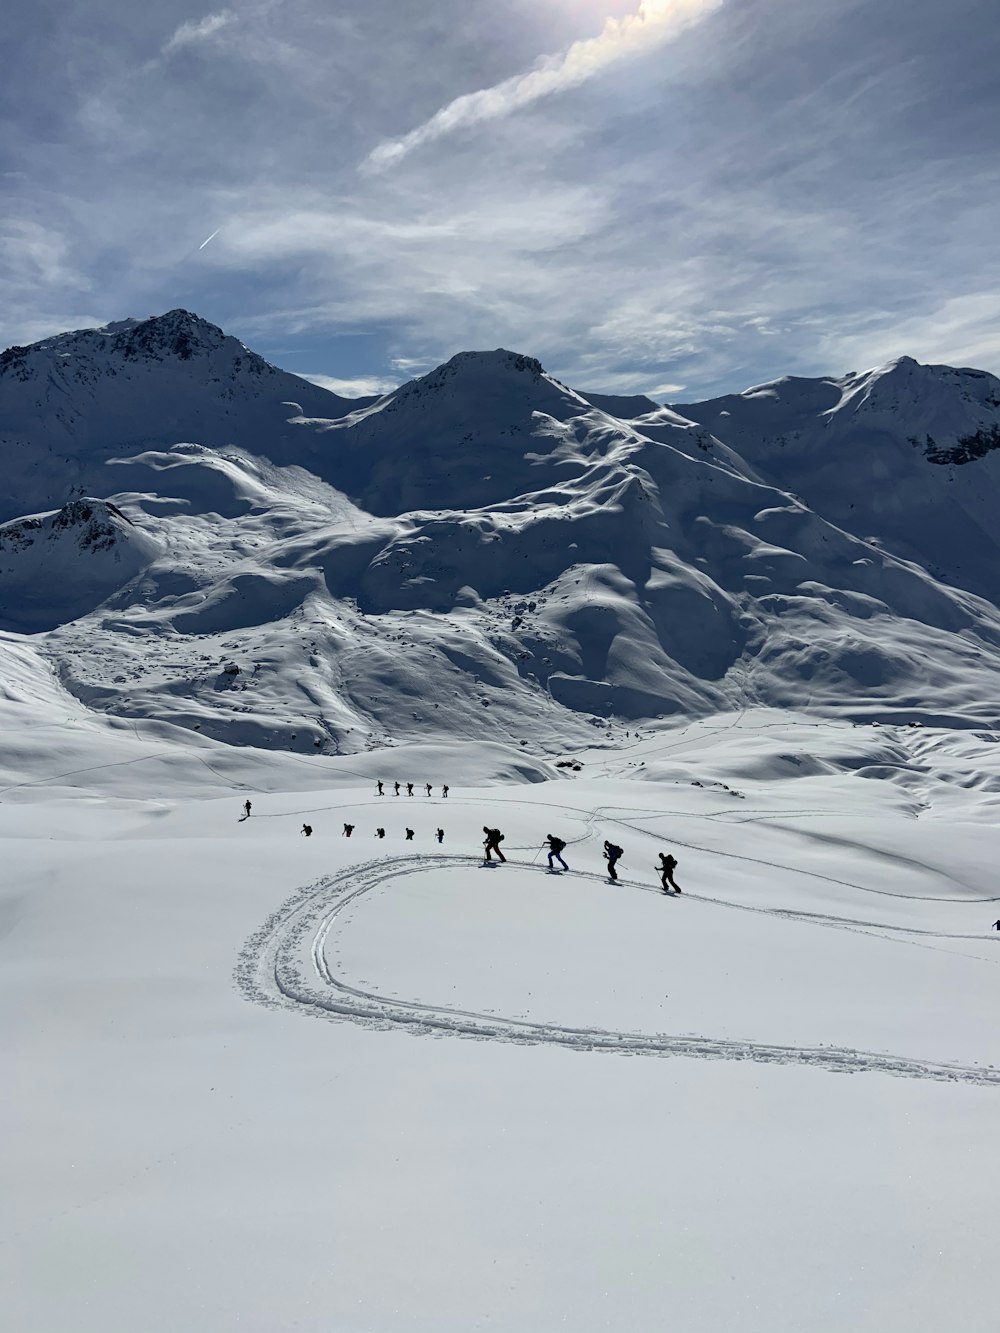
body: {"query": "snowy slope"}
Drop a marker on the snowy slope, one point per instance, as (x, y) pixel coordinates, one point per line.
(522, 1100)
(334, 1084)
(907, 453)
(59, 566)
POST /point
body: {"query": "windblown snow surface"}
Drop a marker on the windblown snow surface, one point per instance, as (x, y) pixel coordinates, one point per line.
(262, 1081)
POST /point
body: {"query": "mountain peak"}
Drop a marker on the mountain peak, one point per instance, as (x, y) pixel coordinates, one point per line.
(177, 333)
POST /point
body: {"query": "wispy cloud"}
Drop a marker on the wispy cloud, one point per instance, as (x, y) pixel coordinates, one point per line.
(194, 31)
(655, 22)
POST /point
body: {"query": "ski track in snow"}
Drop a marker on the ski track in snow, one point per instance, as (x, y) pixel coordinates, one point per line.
(285, 965)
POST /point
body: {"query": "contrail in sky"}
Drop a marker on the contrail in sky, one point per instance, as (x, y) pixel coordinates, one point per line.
(654, 23)
(209, 238)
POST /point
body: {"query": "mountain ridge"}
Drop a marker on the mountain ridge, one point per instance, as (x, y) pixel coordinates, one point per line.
(486, 551)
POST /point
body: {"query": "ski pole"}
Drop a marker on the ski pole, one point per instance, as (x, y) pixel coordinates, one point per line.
(536, 855)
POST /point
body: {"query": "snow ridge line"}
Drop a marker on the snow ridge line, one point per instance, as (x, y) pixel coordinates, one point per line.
(284, 965)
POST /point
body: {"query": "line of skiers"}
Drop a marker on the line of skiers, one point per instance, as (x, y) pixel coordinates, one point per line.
(397, 787)
(612, 854)
(556, 846)
(307, 830)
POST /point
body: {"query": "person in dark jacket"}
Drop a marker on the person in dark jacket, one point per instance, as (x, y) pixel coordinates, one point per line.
(247, 808)
(612, 855)
(440, 835)
(409, 789)
(492, 843)
(380, 792)
(667, 866)
(409, 835)
(307, 830)
(556, 846)
(348, 830)
(380, 833)
(396, 792)
(429, 788)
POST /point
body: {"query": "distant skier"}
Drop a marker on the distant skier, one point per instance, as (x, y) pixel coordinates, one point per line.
(380, 792)
(428, 786)
(612, 855)
(396, 792)
(444, 790)
(380, 833)
(667, 866)
(409, 835)
(995, 926)
(307, 830)
(440, 835)
(409, 789)
(348, 830)
(556, 846)
(492, 843)
(247, 807)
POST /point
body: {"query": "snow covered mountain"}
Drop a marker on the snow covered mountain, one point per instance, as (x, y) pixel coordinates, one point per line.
(907, 453)
(487, 553)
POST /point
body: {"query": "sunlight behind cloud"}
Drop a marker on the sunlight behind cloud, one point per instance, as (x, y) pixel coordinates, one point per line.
(654, 23)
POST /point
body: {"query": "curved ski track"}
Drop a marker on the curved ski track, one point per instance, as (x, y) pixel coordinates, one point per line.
(284, 965)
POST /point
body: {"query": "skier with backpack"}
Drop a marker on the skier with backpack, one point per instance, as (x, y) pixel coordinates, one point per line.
(307, 830)
(556, 846)
(667, 866)
(440, 835)
(492, 843)
(612, 855)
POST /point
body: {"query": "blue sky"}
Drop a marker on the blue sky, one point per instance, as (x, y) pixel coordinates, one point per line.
(678, 197)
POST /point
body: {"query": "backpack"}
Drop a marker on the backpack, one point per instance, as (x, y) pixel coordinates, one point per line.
(616, 852)
(557, 845)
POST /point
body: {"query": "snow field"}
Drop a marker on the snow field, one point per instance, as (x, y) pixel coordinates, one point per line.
(176, 1157)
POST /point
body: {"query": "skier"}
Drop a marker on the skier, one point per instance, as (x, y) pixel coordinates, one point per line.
(444, 790)
(667, 866)
(348, 830)
(995, 926)
(246, 807)
(428, 786)
(492, 844)
(396, 792)
(440, 835)
(409, 835)
(556, 846)
(612, 855)
(380, 833)
(380, 792)
(409, 789)
(307, 830)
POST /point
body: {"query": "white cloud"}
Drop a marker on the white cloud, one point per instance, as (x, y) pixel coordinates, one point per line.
(655, 22)
(962, 330)
(197, 31)
(364, 386)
